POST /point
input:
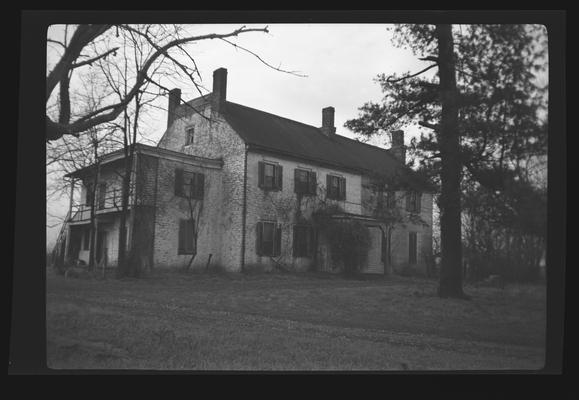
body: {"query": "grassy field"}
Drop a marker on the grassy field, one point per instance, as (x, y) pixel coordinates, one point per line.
(289, 322)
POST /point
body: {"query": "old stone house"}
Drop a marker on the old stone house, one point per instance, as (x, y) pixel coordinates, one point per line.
(236, 187)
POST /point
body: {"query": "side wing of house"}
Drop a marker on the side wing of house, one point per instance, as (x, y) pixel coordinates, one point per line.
(202, 132)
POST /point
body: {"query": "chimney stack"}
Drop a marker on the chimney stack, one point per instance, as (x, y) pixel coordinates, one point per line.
(219, 88)
(398, 148)
(328, 127)
(174, 101)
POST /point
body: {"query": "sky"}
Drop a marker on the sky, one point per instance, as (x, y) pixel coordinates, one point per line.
(339, 61)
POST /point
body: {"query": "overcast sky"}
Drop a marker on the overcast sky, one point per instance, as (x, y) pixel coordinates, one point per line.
(340, 62)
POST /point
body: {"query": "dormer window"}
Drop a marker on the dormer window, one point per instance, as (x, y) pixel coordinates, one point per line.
(190, 136)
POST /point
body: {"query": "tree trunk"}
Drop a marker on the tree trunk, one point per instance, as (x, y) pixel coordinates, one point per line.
(93, 230)
(122, 265)
(450, 224)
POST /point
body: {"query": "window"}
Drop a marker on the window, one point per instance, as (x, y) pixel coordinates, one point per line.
(336, 187)
(187, 237)
(413, 202)
(190, 132)
(270, 176)
(89, 194)
(102, 191)
(189, 184)
(305, 182)
(412, 248)
(303, 241)
(390, 199)
(268, 241)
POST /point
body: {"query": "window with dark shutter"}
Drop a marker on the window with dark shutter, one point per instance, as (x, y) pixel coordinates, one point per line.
(413, 203)
(412, 248)
(186, 236)
(303, 241)
(179, 182)
(270, 176)
(102, 195)
(336, 187)
(390, 199)
(89, 194)
(189, 184)
(268, 240)
(305, 182)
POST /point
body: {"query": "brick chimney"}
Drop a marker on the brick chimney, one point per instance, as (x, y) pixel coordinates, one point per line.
(174, 101)
(219, 88)
(398, 148)
(328, 127)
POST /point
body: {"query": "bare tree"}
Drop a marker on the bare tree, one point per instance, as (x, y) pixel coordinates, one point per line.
(159, 48)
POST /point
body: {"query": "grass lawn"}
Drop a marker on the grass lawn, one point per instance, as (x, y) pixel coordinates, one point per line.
(262, 322)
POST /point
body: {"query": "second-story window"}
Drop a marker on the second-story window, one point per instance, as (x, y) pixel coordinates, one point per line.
(89, 194)
(413, 202)
(102, 192)
(270, 175)
(390, 199)
(305, 182)
(336, 187)
(190, 135)
(189, 184)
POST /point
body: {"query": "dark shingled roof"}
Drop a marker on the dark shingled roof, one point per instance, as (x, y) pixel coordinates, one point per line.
(295, 138)
(271, 132)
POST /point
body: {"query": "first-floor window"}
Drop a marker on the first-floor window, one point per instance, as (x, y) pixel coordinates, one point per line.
(187, 242)
(412, 247)
(303, 241)
(268, 241)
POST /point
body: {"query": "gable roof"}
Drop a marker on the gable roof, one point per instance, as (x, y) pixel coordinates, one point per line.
(271, 132)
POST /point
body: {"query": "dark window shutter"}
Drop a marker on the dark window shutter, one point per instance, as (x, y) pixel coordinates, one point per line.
(312, 182)
(178, 182)
(258, 238)
(328, 186)
(310, 241)
(412, 248)
(279, 176)
(295, 241)
(277, 241)
(297, 187)
(408, 206)
(182, 228)
(342, 188)
(418, 202)
(200, 186)
(261, 172)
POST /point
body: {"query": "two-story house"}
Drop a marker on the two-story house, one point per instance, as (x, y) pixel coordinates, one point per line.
(237, 187)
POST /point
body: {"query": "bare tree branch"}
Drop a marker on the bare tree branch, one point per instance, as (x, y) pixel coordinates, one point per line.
(390, 80)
